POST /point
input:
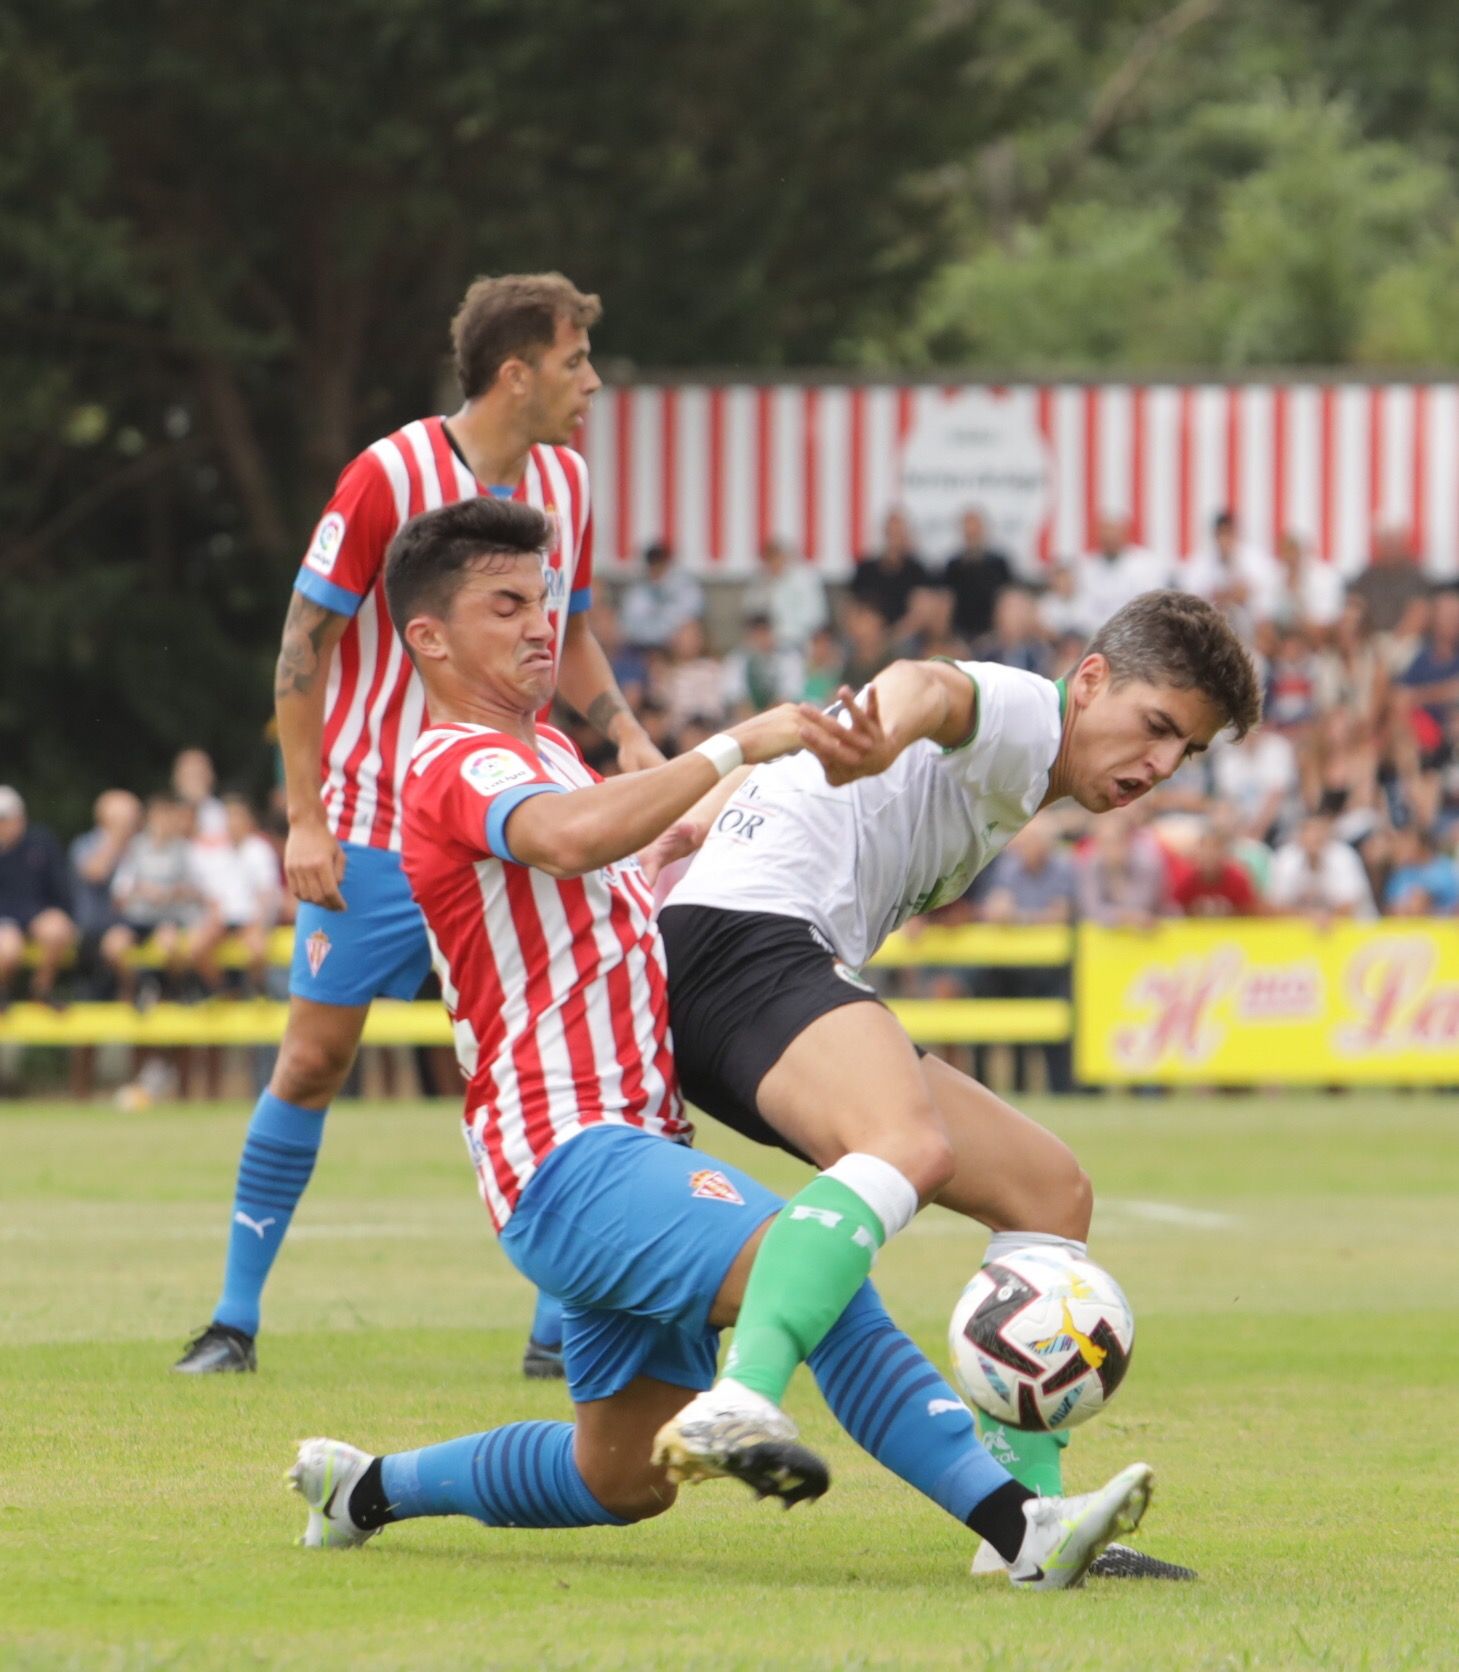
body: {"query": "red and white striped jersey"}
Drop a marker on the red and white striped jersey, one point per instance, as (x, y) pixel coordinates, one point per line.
(557, 989)
(374, 705)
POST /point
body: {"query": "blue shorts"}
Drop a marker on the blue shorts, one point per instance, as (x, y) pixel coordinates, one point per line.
(634, 1235)
(377, 948)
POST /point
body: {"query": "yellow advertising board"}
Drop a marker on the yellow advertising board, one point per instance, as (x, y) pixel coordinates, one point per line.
(1269, 1001)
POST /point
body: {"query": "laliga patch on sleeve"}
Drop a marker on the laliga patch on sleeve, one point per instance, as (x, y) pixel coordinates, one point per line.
(490, 771)
(324, 547)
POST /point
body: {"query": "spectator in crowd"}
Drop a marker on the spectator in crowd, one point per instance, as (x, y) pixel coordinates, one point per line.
(157, 890)
(1290, 702)
(1318, 876)
(194, 780)
(94, 857)
(1309, 589)
(1015, 639)
(824, 671)
(657, 606)
(1392, 581)
(1351, 671)
(1423, 881)
(975, 575)
(1032, 881)
(241, 887)
(1122, 875)
(1240, 579)
(761, 672)
(889, 581)
(1117, 570)
(1431, 680)
(792, 594)
(1340, 769)
(929, 628)
(1260, 779)
(1213, 882)
(689, 681)
(868, 643)
(34, 901)
(1059, 608)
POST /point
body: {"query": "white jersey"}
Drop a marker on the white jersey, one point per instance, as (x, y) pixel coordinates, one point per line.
(858, 862)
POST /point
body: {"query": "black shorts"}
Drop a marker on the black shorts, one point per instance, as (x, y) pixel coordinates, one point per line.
(742, 985)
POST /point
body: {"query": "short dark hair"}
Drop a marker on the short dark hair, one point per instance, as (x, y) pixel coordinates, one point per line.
(514, 316)
(1175, 638)
(434, 553)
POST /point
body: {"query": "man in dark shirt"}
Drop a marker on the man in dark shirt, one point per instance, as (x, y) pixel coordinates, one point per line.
(887, 581)
(1391, 581)
(33, 900)
(975, 575)
(1432, 677)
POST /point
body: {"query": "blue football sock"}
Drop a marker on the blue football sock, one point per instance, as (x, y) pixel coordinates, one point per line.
(547, 1322)
(278, 1158)
(523, 1475)
(894, 1404)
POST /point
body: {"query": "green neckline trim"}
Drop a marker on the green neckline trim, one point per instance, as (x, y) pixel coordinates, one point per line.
(1062, 687)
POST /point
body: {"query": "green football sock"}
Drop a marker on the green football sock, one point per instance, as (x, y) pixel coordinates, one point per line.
(1034, 1459)
(815, 1256)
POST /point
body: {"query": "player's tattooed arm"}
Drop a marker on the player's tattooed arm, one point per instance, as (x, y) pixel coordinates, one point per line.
(602, 710)
(310, 635)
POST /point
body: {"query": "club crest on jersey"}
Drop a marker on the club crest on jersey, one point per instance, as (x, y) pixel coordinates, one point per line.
(324, 547)
(489, 771)
(714, 1187)
(316, 950)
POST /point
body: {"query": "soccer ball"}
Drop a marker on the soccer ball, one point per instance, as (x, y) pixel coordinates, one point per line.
(1041, 1339)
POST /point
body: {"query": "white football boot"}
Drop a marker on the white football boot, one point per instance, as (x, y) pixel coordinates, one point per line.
(324, 1475)
(1065, 1535)
(733, 1431)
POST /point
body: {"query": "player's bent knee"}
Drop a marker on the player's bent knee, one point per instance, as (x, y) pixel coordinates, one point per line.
(632, 1497)
(310, 1066)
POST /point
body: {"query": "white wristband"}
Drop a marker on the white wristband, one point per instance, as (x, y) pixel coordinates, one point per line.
(722, 751)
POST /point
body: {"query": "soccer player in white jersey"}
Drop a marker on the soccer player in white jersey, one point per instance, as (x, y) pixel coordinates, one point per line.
(349, 705)
(804, 874)
(551, 964)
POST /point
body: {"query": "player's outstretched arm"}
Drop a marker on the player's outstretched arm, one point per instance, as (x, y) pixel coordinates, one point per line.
(313, 862)
(566, 835)
(906, 702)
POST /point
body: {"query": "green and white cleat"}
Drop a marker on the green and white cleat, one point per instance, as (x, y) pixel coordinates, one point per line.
(1066, 1535)
(732, 1432)
(324, 1475)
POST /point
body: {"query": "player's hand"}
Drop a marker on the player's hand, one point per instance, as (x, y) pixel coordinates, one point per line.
(676, 843)
(850, 748)
(768, 736)
(637, 752)
(314, 865)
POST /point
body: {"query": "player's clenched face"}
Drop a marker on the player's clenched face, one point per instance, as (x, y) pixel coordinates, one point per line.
(497, 640)
(560, 387)
(1122, 740)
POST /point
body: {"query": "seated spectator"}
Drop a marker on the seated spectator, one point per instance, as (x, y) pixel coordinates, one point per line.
(1122, 875)
(1240, 579)
(1213, 882)
(1259, 778)
(1309, 589)
(655, 608)
(887, 581)
(242, 888)
(929, 631)
(1431, 679)
(824, 671)
(1351, 671)
(94, 857)
(790, 593)
(1059, 609)
(1107, 578)
(689, 681)
(1423, 881)
(1319, 876)
(760, 673)
(157, 891)
(975, 574)
(1016, 639)
(1340, 768)
(194, 780)
(1290, 703)
(34, 901)
(1392, 581)
(868, 643)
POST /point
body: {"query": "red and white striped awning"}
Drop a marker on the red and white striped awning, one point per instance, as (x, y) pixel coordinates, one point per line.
(717, 469)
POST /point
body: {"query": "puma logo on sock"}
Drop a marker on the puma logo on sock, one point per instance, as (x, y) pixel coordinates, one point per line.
(259, 1225)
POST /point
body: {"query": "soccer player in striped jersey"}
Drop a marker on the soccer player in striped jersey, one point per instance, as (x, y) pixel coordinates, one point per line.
(544, 937)
(349, 706)
(811, 865)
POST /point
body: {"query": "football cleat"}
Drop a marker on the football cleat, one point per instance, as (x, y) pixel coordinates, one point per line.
(733, 1432)
(1115, 1561)
(220, 1349)
(1065, 1535)
(324, 1475)
(542, 1364)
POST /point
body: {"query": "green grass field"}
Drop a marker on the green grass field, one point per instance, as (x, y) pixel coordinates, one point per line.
(1293, 1263)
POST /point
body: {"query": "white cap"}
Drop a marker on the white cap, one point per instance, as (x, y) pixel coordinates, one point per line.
(11, 804)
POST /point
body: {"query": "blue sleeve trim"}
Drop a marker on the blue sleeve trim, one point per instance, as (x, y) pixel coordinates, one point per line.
(321, 591)
(580, 600)
(502, 809)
